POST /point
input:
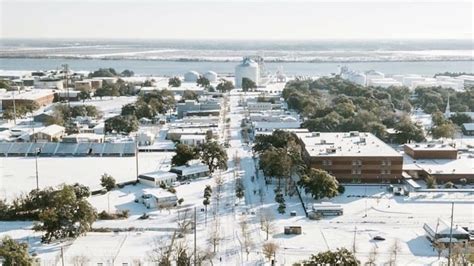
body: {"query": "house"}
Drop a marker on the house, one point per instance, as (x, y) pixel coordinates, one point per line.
(190, 171)
(192, 140)
(468, 129)
(351, 156)
(145, 138)
(49, 133)
(43, 117)
(441, 231)
(158, 198)
(83, 138)
(155, 179)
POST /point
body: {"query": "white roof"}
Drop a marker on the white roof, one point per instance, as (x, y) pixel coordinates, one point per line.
(160, 175)
(53, 130)
(430, 146)
(342, 144)
(193, 137)
(463, 165)
(468, 126)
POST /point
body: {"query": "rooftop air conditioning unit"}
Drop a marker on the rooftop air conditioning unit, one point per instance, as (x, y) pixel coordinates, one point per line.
(354, 133)
(315, 134)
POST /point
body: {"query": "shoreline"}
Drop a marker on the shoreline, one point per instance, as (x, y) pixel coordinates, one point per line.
(184, 60)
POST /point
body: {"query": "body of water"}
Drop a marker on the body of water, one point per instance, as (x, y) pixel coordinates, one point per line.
(170, 68)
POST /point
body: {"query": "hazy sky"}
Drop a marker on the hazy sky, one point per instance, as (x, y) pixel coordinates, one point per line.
(236, 19)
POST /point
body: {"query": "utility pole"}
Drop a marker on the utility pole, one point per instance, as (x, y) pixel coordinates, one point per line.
(62, 256)
(450, 234)
(37, 151)
(195, 225)
(136, 155)
(14, 107)
(66, 73)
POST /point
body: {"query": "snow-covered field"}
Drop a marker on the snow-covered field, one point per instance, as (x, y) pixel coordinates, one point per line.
(369, 210)
(18, 174)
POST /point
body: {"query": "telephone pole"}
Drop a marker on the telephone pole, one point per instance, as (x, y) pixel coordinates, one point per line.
(195, 225)
(450, 234)
(66, 73)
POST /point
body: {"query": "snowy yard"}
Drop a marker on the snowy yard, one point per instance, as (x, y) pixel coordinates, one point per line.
(18, 173)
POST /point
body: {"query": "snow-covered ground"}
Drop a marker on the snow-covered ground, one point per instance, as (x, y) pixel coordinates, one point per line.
(369, 210)
(18, 174)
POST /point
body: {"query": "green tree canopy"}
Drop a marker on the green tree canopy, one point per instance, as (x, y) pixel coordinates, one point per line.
(184, 154)
(14, 253)
(341, 256)
(174, 82)
(203, 82)
(319, 184)
(121, 124)
(225, 86)
(213, 155)
(104, 72)
(65, 213)
(248, 84)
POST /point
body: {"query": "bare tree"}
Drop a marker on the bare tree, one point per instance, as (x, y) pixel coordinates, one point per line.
(80, 260)
(247, 242)
(372, 257)
(269, 250)
(394, 250)
(267, 222)
(214, 235)
(439, 248)
(162, 250)
(185, 221)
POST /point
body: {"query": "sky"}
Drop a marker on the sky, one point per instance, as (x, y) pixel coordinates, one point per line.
(263, 19)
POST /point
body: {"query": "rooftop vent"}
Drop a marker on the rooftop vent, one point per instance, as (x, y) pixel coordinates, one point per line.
(315, 134)
(354, 133)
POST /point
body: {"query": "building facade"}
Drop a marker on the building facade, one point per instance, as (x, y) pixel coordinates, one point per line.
(352, 156)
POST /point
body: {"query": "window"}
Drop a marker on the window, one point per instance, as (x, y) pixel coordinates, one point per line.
(356, 171)
(382, 172)
(357, 162)
(383, 162)
(388, 171)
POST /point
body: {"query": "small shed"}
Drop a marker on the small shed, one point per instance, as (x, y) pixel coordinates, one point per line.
(155, 179)
(293, 230)
(158, 198)
(190, 171)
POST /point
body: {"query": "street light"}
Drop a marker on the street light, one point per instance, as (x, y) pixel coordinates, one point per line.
(37, 152)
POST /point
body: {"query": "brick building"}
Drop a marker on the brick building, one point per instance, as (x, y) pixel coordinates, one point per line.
(352, 156)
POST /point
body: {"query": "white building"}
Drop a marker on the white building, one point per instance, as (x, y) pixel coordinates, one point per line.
(384, 82)
(158, 198)
(192, 140)
(145, 138)
(49, 83)
(247, 69)
(155, 179)
(190, 171)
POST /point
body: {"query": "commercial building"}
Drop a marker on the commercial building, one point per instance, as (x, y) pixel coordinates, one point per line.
(39, 97)
(185, 172)
(157, 178)
(194, 107)
(352, 156)
(192, 140)
(430, 151)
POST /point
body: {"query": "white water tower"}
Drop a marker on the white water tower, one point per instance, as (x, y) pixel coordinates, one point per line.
(247, 69)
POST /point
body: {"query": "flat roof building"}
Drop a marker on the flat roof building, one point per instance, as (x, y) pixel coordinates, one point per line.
(430, 151)
(352, 156)
(155, 179)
